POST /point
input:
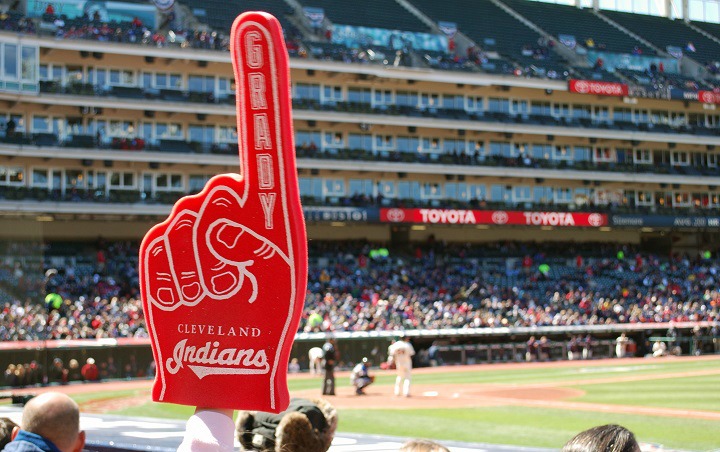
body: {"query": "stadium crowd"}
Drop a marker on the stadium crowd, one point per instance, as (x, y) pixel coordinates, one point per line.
(364, 287)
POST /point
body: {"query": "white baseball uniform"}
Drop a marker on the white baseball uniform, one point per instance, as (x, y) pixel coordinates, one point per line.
(401, 353)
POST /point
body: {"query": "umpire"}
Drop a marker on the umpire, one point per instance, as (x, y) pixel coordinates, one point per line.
(330, 355)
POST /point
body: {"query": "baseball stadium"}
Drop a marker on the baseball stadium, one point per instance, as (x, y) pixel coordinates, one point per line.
(510, 211)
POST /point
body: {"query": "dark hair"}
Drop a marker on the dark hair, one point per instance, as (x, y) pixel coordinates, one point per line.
(6, 428)
(605, 438)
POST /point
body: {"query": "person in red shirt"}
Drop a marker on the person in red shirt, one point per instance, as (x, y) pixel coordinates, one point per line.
(90, 370)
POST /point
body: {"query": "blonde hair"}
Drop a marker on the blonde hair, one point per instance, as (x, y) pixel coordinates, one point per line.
(423, 445)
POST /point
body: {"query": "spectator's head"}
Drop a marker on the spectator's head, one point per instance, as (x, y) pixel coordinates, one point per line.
(422, 445)
(607, 438)
(6, 429)
(55, 417)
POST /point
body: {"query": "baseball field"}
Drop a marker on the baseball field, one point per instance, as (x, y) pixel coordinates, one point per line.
(672, 402)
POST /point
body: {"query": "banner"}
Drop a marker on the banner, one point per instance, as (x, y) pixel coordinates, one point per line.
(341, 214)
(358, 37)
(665, 221)
(674, 51)
(598, 88)
(496, 217)
(108, 11)
(706, 97)
(612, 61)
(449, 28)
(316, 16)
(568, 41)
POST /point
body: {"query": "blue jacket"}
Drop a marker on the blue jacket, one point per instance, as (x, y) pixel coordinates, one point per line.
(30, 442)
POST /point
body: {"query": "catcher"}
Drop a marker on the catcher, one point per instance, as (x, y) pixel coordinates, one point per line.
(361, 378)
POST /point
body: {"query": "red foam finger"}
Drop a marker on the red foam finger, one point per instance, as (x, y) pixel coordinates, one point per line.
(178, 239)
(161, 289)
(222, 337)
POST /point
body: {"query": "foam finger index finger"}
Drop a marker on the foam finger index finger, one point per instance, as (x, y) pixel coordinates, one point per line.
(264, 116)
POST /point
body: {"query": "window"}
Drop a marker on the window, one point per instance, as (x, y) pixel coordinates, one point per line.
(522, 194)
(496, 105)
(431, 101)
(455, 102)
(360, 141)
(604, 155)
(430, 191)
(333, 140)
(226, 86)
(41, 124)
(622, 114)
(332, 94)
(714, 200)
(408, 144)
(227, 134)
(541, 151)
(712, 160)
(561, 110)
(642, 157)
(361, 187)
(501, 149)
(384, 142)
(122, 180)
(196, 182)
(450, 146)
(680, 158)
(540, 108)
(474, 104)
(307, 139)
(563, 195)
(168, 182)
(644, 198)
(430, 145)
(681, 199)
(334, 187)
(168, 81)
(10, 62)
(520, 107)
(581, 112)
(360, 95)
(40, 177)
(499, 193)
(311, 186)
(601, 114)
(121, 129)
(307, 91)
(407, 98)
(642, 116)
(383, 97)
(201, 83)
(582, 153)
(29, 63)
(201, 134)
(562, 152)
(659, 117)
(387, 189)
(409, 190)
(122, 77)
(169, 131)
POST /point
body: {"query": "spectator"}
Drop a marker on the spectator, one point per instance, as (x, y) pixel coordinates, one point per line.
(7, 427)
(50, 9)
(50, 422)
(606, 438)
(10, 128)
(422, 445)
(90, 370)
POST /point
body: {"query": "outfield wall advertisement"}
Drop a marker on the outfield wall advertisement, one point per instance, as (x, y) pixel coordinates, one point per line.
(493, 217)
(665, 221)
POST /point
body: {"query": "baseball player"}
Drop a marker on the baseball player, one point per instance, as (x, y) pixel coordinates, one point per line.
(400, 353)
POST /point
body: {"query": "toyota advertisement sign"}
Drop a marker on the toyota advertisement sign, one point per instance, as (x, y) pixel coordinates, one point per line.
(493, 217)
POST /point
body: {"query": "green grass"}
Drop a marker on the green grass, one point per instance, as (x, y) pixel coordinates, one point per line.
(526, 426)
(530, 426)
(693, 393)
